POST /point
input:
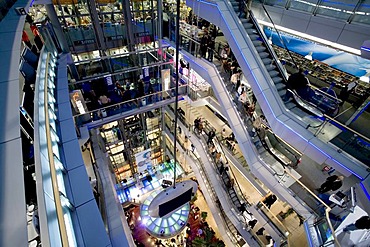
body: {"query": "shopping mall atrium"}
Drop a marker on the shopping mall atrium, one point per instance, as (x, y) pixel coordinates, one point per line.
(185, 123)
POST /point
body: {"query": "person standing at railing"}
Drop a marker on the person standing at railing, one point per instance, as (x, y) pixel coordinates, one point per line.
(211, 48)
(203, 44)
(225, 53)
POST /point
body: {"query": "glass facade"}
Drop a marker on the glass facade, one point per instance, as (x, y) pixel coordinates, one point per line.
(347, 10)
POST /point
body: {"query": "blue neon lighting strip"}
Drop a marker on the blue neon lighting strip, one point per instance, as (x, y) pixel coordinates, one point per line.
(365, 191)
(365, 48)
(305, 224)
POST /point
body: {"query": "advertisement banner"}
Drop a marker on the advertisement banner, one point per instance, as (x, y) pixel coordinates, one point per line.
(143, 160)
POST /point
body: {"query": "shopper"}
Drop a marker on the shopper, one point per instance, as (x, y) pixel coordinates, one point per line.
(203, 45)
(332, 183)
(298, 82)
(140, 88)
(260, 231)
(211, 48)
(225, 53)
(211, 135)
(223, 134)
(235, 77)
(346, 91)
(360, 224)
(243, 98)
(271, 199)
(252, 223)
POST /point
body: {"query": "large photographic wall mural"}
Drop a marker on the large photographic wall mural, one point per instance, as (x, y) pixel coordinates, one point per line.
(351, 64)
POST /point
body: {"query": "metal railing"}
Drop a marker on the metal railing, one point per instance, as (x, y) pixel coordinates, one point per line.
(51, 138)
(126, 106)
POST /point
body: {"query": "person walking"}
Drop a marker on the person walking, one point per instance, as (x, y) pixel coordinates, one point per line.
(271, 199)
(332, 183)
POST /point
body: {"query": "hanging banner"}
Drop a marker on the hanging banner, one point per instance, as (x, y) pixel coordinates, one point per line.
(143, 160)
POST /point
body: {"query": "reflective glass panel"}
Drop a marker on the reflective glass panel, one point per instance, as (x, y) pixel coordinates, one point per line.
(362, 14)
(306, 6)
(337, 9)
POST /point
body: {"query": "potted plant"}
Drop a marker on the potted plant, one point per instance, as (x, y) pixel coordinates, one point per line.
(203, 215)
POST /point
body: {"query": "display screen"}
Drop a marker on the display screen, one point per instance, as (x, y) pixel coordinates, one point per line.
(175, 203)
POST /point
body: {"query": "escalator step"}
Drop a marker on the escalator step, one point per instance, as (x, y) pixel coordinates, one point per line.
(247, 25)
(246, 21)
(280, 86)
(260, 49)
(282, 93)
(251, 31)
(277, 80)
(234, 3)
(264, 55)
(254, 37)
(290, 105)
(257, 43)
(236, 9)
(270, 67)
(273, 73)
(266, 61)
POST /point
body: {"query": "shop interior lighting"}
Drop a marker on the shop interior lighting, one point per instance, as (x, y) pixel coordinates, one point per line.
(313, 38)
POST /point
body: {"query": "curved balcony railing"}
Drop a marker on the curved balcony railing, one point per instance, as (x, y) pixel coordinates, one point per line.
(130, 106)
(58, 222)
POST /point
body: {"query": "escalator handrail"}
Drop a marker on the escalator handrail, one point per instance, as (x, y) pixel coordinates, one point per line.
(278, 139)
(280, 37)
(214, 194)
(268, 46)
(231, 171)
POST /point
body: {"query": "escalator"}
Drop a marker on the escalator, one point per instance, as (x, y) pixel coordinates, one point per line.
(266, 77)
(278, 75)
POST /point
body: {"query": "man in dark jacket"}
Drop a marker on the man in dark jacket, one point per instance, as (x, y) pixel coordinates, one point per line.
(332, 183)
(298, 82)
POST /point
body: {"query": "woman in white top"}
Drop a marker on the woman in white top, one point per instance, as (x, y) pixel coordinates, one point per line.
(244, 98)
